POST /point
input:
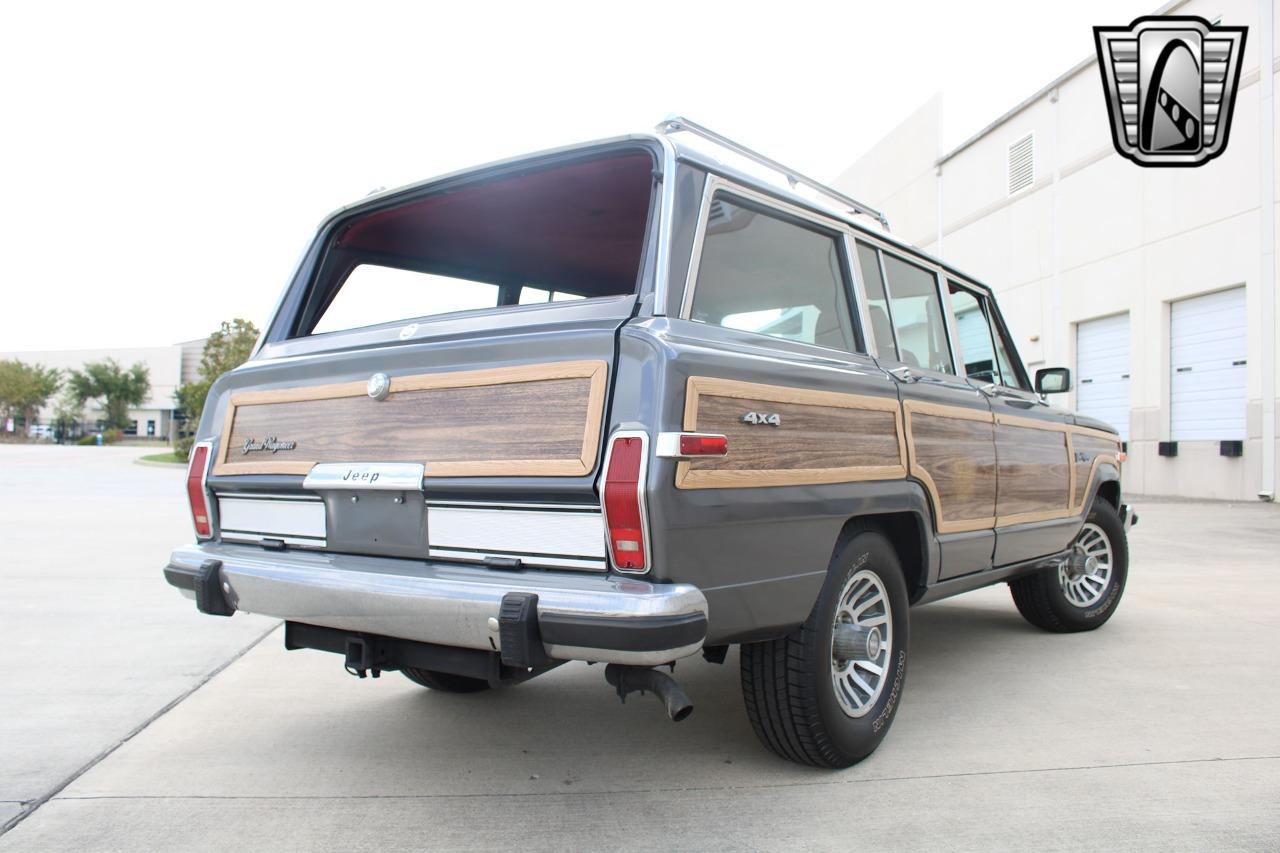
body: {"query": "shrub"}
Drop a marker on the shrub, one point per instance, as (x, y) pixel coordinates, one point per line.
(109, 436)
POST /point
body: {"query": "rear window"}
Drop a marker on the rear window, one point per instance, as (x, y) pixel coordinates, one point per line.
(570, 231)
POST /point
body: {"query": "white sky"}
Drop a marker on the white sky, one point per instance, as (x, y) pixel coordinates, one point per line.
(162, 166)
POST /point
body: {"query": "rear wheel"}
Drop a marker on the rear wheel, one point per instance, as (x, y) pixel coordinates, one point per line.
(1085, 590)
(826, 694)
(445, 682)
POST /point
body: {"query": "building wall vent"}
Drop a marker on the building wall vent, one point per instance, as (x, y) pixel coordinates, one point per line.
(1022, 163)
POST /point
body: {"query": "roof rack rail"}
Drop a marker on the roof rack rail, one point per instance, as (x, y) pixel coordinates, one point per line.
(675, 124)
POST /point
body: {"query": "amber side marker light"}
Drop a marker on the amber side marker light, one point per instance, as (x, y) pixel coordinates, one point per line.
(195, 491)
(1122, 456)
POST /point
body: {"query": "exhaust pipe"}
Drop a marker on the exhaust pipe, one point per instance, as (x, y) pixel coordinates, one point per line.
(638, 679)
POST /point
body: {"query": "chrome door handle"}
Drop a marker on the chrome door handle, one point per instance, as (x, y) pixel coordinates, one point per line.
(904, 374)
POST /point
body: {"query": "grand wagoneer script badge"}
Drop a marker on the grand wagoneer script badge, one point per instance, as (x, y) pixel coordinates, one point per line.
(270, 444)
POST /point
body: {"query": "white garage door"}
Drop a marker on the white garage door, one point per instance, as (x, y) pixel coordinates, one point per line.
(1102, 371)
(1207, 353)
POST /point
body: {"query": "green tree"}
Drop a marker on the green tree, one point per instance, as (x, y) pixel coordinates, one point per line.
(25, 388)
(68, 412)
(226, 349)
(116, 389)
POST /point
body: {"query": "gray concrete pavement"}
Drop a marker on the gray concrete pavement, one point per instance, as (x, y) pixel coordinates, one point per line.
(1159, 731)
(92, 643)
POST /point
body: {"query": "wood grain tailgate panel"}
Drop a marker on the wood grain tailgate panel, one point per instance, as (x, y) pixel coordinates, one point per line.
(536, 420)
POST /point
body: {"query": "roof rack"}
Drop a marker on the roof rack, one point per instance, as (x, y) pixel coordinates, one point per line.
(675, 124)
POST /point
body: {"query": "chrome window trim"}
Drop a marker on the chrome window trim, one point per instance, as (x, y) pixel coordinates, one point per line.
(839, 231)
(665, 226)
(860, 295)
(641, 484)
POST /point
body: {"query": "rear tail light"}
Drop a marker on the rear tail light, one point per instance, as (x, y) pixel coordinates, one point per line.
(623, 503)
(195, 491)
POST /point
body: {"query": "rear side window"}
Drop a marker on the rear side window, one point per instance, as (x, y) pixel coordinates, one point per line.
(571, 230)
(768, 275)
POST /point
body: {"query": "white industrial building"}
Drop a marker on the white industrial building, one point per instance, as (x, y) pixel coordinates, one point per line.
(1156, 286)
(168, 367)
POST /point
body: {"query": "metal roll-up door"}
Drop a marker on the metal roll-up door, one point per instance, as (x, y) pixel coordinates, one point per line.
(1102, 371)
(1208, 351)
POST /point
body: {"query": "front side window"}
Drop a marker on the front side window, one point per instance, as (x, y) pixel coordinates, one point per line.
(973, 329)
(915, 308)
(1012, 375)
(986, 350)
(764, 274)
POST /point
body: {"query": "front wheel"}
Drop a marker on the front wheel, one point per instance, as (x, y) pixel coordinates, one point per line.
(827, 693)
(1085, 590)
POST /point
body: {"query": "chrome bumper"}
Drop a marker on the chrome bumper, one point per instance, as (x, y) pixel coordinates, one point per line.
(1128, 517)
(581, 616)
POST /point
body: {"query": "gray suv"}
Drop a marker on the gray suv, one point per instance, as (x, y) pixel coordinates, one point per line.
(631, 401)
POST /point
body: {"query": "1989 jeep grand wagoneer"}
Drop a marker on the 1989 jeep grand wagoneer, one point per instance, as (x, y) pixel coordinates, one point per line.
(626, 402)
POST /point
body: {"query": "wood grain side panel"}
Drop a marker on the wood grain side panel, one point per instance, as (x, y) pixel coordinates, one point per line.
(1034, 472)
(953, 453)
(1090, 450)
(824, 437)
(527, 421)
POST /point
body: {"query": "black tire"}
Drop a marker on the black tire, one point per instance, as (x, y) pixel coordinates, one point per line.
(1042, 601)
(445, 682)
(787, 684)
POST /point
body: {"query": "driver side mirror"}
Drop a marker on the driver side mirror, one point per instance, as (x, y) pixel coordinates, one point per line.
(1053, 380)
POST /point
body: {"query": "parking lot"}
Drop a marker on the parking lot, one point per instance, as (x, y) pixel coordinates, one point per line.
(128, 721)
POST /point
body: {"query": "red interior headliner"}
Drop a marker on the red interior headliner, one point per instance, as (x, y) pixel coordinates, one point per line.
(577, 227)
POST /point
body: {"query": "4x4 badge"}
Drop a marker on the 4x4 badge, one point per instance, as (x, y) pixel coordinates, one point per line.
(1170, 84)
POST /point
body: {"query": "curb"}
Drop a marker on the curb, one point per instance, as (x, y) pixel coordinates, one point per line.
(150, 464)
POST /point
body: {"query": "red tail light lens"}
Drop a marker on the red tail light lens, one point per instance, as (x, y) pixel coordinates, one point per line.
(623, 512)
(195, 491)
(703, 445)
